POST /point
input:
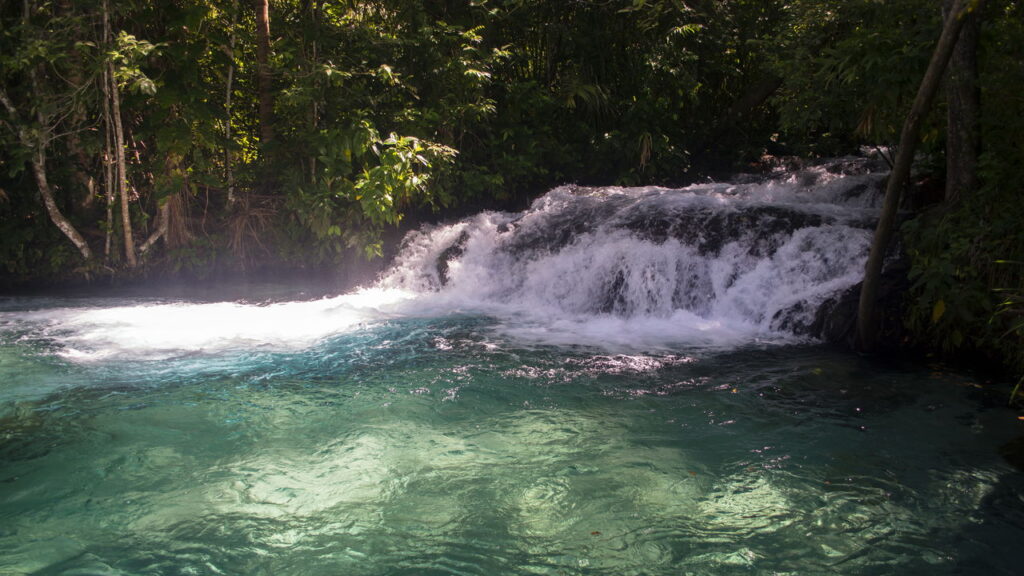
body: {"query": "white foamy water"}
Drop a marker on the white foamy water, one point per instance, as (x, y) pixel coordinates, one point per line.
(160, 331)
(626, 269)
(713, 265)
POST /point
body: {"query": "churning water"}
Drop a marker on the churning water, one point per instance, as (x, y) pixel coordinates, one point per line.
(616, 381)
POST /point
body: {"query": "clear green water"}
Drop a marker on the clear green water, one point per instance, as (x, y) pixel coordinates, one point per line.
(437, 446)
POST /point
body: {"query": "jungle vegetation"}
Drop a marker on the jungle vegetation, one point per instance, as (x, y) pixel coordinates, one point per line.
(194, 136)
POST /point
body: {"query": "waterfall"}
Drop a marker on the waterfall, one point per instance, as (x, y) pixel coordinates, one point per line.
(713, 263)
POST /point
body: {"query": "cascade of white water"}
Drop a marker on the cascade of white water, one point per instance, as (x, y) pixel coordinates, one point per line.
(705, 264)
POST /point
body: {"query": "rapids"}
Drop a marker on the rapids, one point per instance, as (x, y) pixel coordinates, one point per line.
(622, 269)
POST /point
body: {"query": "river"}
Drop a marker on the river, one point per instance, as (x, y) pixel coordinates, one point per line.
(616, 381)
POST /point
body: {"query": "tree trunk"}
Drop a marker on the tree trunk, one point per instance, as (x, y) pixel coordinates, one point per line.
(266, 96)
(229, 175)
(170, 212)
(122, 165)
(163, 220)
(108, 162)
(867, 320)
(962, 94)
(38, 162)
(37, 143)
(62, 223)
(122, 173)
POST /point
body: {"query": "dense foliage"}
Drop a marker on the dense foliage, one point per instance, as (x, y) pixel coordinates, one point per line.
(968, 256)
(182, 136)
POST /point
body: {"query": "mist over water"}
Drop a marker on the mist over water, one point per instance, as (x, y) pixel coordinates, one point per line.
(616, 381)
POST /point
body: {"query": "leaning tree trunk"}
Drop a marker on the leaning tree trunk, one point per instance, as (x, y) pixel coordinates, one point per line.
(65, 226)
(38, 146)
(163, 217)
(867, 315)
(264, 79)
(172, 167)
(962, 95)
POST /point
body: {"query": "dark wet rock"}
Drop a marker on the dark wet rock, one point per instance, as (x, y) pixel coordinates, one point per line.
(450, 253)
(807, 174)
(558, 228)
(855, 192)
(808, 178)
(792, 320)
(613, 301)
(855, 166)
(836, 319)
(692, 216)
(709, 230)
